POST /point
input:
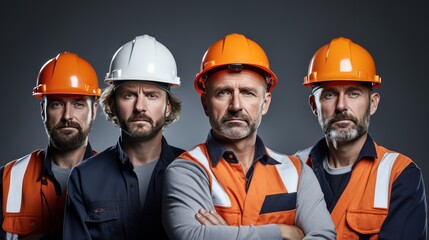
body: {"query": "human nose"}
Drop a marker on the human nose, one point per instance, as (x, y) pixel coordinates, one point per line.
(140, 105)
(235, 104)
(68, 111)
(342, 103)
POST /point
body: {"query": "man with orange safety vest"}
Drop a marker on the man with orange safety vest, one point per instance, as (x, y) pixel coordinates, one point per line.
(34, 186)
(233, 186)
(370, 191)
(117, 194)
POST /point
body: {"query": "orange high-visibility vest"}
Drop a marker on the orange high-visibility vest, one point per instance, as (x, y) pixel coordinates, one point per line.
(30, 204)
(364, 204)
(230, 199)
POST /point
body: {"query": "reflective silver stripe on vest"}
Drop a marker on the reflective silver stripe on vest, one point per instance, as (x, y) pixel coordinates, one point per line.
(219, 196)
(381, 195)
(14, 197)
(287, 171)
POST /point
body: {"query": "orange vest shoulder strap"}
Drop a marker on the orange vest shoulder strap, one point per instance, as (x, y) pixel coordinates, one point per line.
(289, 169)
(380, 190)
(390, 167)
(13, 179)
(199, 155)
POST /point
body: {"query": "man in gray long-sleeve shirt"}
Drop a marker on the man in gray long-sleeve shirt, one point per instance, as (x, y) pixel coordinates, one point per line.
(252, 192)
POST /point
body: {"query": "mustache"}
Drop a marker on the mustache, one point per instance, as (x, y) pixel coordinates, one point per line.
(140, 117)
(342, 116)
(67, 124)
(235, 115)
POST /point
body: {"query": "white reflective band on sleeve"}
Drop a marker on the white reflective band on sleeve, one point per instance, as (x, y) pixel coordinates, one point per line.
(219, 196)
(381, 195)
(11, 236)
(14, 197)
(287, 171)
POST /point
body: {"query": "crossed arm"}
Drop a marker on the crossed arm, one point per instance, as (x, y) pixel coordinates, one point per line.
(187, 191)
(212, 218)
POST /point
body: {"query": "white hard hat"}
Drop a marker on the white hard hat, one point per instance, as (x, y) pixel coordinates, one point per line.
(143, 59)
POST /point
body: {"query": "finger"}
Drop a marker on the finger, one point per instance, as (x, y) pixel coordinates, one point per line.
(219, 219)
(209, 216)
(203, 220)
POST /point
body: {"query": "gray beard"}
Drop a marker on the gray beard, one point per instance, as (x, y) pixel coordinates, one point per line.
(342, 136)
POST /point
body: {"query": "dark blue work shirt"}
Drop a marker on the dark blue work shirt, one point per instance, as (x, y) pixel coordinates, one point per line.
(408, 207)
(103, 198)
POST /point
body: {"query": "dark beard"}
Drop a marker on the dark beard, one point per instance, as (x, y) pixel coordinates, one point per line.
(64, 141)
(142, 135)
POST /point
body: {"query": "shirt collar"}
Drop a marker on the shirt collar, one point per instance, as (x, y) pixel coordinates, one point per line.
(217, 151)
(166, 153)
(47, 165)
(368, 149)
(122, 156)
(320, 150)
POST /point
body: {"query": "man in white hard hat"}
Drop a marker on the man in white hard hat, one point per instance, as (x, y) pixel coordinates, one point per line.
(117, 195)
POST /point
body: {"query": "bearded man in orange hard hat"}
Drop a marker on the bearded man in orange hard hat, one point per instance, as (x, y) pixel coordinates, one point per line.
(370, 191)
(34, 186)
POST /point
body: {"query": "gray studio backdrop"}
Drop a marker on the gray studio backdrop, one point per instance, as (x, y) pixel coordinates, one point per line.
(395, 32)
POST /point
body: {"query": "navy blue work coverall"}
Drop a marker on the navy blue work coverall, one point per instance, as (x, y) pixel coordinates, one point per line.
(103, 198)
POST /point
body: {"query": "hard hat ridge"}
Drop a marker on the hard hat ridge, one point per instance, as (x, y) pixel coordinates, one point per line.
(143, 59)
(342, 60)
(234, 51)
(67, 73)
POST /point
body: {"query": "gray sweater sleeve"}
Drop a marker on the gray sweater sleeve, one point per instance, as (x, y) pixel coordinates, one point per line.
(186, 190)
(312, 215)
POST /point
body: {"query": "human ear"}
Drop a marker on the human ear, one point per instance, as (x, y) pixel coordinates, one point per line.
(204, 103)
(42, 111)
(266, 103)
(374, 101)
(312, 104)
(168, 108)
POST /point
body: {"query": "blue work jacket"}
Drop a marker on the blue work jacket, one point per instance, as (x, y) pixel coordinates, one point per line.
(103, 198)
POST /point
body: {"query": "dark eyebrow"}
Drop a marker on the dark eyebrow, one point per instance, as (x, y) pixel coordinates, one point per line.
(331, 89)
(54, 100)
(353, 88)
(63, 100)
(155, 90)
(251, 89)
(221, 88)
(127, 87)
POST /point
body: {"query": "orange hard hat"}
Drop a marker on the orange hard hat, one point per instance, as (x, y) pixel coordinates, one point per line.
(67, 73)
(342, 60)
(235, 51)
